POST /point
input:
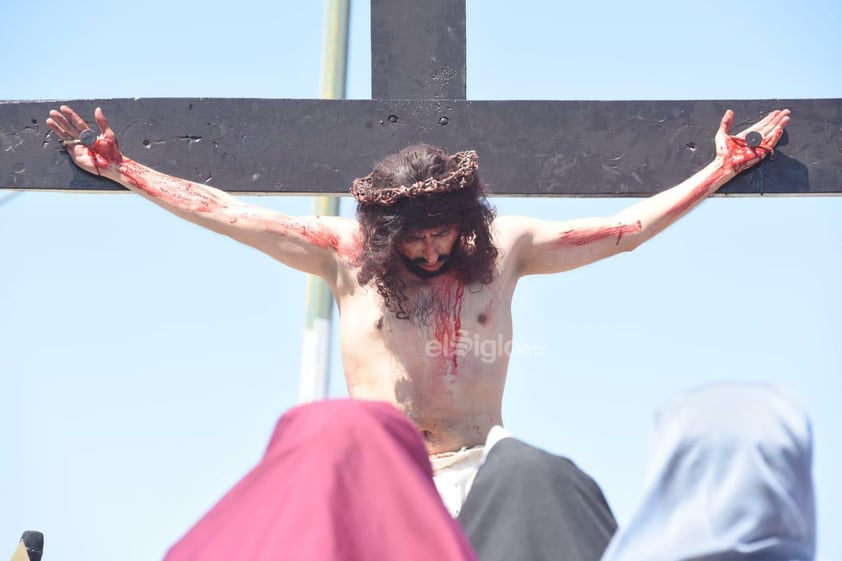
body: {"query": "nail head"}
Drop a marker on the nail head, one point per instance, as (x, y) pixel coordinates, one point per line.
(87, 137)
(754, 139)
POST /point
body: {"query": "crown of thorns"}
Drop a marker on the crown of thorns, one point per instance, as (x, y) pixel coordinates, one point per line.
(462, 176)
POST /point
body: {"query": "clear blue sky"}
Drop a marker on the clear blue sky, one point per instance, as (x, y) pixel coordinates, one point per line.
(144, 361)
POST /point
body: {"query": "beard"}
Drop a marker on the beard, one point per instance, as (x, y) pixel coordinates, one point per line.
(414, 266)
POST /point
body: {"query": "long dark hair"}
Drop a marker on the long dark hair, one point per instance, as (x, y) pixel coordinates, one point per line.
(382, 225)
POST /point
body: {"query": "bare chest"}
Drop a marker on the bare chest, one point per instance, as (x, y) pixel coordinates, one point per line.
(450, 319)
(445, 328)
(444, 365)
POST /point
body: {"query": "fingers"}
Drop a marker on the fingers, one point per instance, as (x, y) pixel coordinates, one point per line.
(59, 125)
(769, 123)
(761, 125)
(75, 120)
(772, 128)
(765, 126)
(68, 125)
(101, 121)
(727, 121)
(772, 121)
(774, 137)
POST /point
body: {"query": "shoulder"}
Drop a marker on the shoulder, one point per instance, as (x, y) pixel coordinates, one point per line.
(512, 235)
(330, 231)
(344, 227)
(511, 230)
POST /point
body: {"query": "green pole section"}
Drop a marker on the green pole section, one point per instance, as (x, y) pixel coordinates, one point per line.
(315, 352)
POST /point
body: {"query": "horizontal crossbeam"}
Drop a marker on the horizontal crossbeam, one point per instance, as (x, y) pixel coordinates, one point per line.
(543, 148)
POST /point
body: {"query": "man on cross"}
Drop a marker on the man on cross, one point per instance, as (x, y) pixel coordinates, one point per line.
(426, 267)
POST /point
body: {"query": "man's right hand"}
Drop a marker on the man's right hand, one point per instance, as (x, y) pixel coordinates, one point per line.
(312, 244)
(103, 157)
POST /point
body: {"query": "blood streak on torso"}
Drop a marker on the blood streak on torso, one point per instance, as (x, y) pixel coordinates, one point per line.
(447, 320)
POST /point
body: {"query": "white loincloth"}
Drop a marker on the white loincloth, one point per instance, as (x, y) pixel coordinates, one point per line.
(454, 472)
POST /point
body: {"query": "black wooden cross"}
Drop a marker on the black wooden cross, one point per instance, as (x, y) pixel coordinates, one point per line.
(562, 148)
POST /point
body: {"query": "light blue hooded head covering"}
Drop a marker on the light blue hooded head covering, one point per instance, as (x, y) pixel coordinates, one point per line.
(729, 479)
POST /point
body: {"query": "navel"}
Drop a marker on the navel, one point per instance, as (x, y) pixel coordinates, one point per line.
(482, 318)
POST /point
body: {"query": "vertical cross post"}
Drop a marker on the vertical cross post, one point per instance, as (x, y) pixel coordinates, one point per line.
(418, 49)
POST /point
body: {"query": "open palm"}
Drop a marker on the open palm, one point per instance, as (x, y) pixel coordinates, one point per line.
(103, 155)
(736, 152)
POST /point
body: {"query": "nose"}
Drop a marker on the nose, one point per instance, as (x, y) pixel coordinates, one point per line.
(430, 253)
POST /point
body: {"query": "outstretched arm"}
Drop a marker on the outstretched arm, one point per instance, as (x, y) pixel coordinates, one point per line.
(311, 244)
(550, 247)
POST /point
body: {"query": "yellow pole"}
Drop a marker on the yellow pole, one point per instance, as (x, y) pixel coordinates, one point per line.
(315, 348)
